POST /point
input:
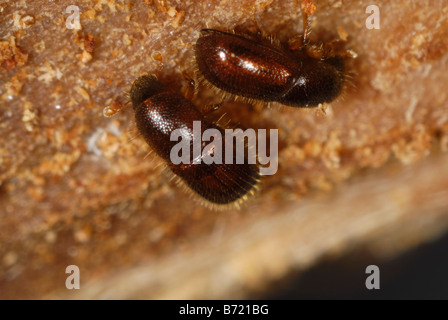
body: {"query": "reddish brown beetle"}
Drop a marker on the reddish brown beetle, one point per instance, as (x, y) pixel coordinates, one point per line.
(158, 112)
(253, 67)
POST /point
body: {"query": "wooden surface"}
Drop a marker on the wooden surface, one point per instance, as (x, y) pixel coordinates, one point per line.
(75, 190)
(384, 212)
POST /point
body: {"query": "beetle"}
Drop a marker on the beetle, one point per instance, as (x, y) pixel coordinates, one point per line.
(159, 111)
(250, 66)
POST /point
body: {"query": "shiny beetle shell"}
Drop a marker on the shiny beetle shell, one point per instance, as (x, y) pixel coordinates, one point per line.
(258, 69)
(159, 111)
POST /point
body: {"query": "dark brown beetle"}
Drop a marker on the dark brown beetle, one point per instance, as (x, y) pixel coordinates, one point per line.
(256, 68)
(158, 112)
